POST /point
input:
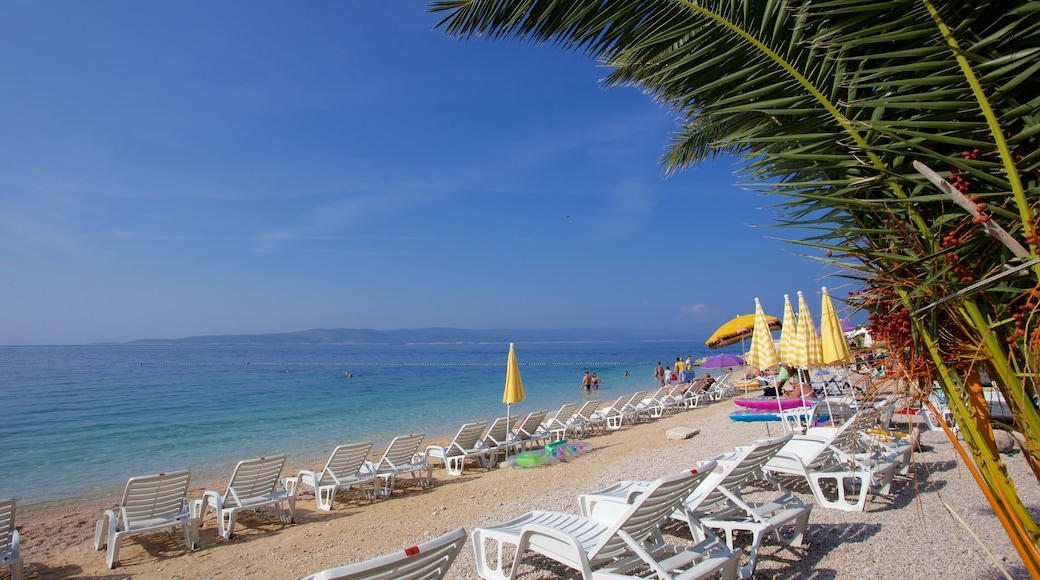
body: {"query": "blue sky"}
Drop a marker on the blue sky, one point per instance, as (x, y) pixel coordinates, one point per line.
(191, 168)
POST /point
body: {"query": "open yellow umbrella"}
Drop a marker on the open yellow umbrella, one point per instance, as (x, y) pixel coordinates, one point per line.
(514, 392)
(832, 339)
(762, 353)
(789, 334)
(737, 330)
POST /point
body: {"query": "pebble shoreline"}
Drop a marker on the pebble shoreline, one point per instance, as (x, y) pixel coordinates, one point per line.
(911, 533)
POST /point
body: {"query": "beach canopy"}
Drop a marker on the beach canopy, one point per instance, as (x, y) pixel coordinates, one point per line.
(806, 351)
(762, 353)
(789, 334)
(737, 330)
(514, 392)
(834, 349)
(721, 361)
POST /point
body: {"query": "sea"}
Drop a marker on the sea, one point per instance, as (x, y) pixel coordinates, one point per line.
(78, 421)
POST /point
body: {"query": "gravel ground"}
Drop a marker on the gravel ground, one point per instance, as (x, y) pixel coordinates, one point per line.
(935, 522)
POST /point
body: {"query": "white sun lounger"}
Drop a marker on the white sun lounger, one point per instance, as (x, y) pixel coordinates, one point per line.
(499, 437)
(402, 458)
(151, 502)
(617, 543)
(559, 423)
(254, 483)
(465, 445)
(718, 501)
(427, 561)
(10, 541)
(529, 433)
(345, 469)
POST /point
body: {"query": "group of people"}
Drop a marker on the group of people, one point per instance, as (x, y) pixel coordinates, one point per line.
(665, 375)
(590, 382)
(789, 385)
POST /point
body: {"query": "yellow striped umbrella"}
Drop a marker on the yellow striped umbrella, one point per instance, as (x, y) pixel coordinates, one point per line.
(832, 339)
(789, 334)
(514, 392)
(807, 348)
(762, 353)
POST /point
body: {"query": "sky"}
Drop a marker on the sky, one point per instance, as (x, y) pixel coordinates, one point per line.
(194, 168)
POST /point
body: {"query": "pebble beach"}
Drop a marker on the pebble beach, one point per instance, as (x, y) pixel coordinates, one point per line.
(935, 522)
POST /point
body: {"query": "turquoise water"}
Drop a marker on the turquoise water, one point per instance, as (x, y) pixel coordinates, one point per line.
(80, 420)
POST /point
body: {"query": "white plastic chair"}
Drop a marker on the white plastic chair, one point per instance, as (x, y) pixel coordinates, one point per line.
(718, 503)
(151, 502)
(464, 445)
(585, 421)
(9, 540)
(614, 543)
(834, 459)
(559, 423)
(254, 483)
(615, 414)
(345, 469)
(427, 561)
(499, 437)
(529, 431)
(401, 458)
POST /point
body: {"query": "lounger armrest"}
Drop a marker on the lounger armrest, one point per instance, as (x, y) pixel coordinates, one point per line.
(291, 484)
(214, 498)
(108, 519)
(422, 455)
(555, 541)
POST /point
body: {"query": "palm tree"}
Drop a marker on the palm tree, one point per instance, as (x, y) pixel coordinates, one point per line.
(903, 133)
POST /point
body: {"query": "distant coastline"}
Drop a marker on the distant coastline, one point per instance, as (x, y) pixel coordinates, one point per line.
(345, 336)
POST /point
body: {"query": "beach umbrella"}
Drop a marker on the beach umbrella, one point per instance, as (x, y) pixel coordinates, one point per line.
(514, 392)
(737, 330)
(807, 350)
(721, 361)
(789, 333)
(762, 353)
(834, 349)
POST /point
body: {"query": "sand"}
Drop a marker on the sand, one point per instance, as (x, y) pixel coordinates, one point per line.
(914, 532)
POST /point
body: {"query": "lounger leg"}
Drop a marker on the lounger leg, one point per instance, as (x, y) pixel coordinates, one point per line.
(226, 523)
(325, 496)
(101, 532)
(113, 547)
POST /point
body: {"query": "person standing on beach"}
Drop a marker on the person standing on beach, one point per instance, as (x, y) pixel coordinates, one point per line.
(680, 366)
(586, 382)
(659, 373)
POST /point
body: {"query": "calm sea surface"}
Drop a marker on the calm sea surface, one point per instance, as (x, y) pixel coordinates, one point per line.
(79, 420)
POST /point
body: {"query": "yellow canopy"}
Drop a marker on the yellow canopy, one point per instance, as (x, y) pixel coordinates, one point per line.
(762, 353)
(832, 339)
(514, 392)
(739, 328)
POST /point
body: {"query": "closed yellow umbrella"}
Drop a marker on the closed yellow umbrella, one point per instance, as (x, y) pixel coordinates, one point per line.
(807, 347)
(832, 339)
(737, 330)
(789, 334)
(762, 353)
(514, 392)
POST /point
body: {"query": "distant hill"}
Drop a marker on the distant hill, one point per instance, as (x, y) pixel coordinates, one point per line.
(320, 336)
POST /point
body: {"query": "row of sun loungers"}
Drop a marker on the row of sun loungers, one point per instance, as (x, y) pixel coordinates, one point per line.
(842, 467)
(160, 501)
